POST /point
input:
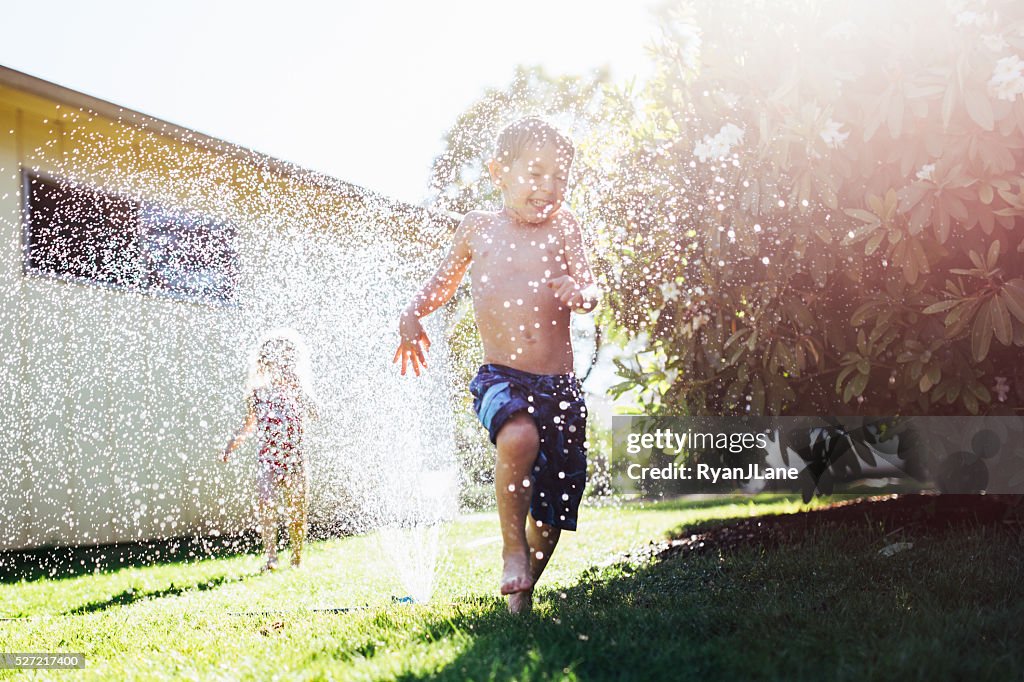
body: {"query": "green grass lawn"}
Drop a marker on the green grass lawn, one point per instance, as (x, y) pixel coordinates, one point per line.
(829, 608)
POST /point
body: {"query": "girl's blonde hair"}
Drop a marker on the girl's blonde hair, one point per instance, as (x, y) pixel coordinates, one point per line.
(281, 355)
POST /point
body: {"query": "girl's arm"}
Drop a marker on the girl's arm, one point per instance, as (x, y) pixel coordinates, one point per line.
(311, 404)
(242, 433)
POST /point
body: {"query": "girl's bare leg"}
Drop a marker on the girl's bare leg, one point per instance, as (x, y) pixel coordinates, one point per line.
(296, 493)
(268, 529)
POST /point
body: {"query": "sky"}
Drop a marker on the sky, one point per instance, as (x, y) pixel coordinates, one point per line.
(362, 91)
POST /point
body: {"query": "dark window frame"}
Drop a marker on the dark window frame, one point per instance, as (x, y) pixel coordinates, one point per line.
(143, 240)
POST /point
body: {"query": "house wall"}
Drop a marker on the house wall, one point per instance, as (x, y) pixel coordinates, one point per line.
(117, 403)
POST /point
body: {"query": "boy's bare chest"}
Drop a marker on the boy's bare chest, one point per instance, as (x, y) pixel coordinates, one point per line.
(507, 258)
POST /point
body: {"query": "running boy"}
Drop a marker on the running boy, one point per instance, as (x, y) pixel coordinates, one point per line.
(529, 272)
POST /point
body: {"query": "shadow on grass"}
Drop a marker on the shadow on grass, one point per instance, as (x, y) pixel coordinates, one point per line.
(53, 563)
(828, 606)
(130, 596)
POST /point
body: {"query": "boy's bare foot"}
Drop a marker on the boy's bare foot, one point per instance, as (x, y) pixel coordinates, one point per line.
(296, 561)
(269, 565)
(520, 602)
(515, 575)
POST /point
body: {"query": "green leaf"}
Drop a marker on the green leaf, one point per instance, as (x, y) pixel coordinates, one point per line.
(895, 117)
(828, 193)
(859, 383)
(863, 215)
(876, 112)
(1013, 297)
(757, 396)
(941, 306)
(948, 102)
(993, 255)
(734, 392)
(800, 313)
(863, 313)
(1001, 324)
(980, 392)
(880, 329)
(925, 90)
(909, 258)
(752, 341)
(971, 403)
(847, 371)
(872, 244)
(941, 226)
(981, 332)
(919, 256)
(785, 356)
(920, 216)
(979, 107)
(734, 357)
(959, 317)
(848, 392)
(740, 333)
(813, 350)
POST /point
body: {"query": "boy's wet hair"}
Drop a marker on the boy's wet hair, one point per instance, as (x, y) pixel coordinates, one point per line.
(514, 138)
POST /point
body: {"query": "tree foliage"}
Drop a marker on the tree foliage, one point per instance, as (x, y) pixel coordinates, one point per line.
(817, 208)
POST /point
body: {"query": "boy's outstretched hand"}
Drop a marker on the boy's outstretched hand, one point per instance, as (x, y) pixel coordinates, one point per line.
(414, 344)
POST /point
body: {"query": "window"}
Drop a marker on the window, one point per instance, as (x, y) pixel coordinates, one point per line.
(86, 234)
(82, 233)
(188, 255)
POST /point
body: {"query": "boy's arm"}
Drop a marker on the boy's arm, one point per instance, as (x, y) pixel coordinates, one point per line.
(578, 287)
(414, 343)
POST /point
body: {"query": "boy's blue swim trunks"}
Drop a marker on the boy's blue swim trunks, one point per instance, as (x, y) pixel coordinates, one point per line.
(555, 401)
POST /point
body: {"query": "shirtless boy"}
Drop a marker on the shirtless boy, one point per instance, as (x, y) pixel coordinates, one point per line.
(529, 272)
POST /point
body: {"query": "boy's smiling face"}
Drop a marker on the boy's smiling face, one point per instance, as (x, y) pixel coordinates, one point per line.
(533, 185)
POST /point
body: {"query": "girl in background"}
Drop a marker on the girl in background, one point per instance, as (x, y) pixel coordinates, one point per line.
(279, 398)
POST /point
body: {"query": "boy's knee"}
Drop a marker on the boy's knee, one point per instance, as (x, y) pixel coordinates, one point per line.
(544, 530)
(520, 431)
